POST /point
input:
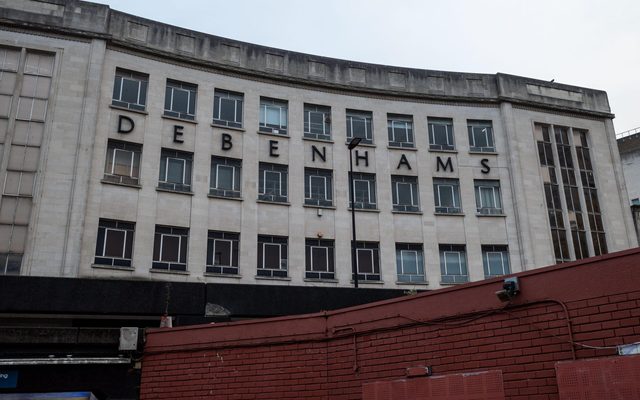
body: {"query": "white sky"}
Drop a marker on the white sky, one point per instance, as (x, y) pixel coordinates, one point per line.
(586, 43)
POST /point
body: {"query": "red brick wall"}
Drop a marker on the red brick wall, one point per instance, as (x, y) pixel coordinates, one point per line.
(461, 329)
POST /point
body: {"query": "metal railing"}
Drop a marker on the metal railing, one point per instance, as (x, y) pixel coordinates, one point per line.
(628, 133)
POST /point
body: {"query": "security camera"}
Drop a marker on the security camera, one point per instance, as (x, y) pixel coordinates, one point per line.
(510, 288)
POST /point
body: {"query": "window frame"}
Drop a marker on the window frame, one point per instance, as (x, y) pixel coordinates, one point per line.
(367, 116)
(167, 265)
(374, 249)
(326, 124)
(267, 103)
(187, 170)
(503, 250)
(192, 92)
(370, 179)
(236, 165)
(238, 98)
(269, 240)
(234, 253)
(472, 126)
(412, 182)
(402, 276)
(439, 183)
(327, 176)
(448, 123)
(461, 253)
(283, 187)
(494, 185)
(392, 119)
(143, 83)
(329, 248)
(108, 225)
(136, 157)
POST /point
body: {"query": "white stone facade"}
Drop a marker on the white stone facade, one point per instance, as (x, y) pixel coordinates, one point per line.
(71, 195)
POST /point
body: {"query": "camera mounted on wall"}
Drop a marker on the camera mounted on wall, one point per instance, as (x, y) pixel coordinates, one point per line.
(510, 288)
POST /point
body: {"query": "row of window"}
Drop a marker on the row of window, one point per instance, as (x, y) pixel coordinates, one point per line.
(114, 247)
(123, 166)
(130, 91)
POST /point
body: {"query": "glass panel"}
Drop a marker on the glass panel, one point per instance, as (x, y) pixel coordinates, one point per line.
(228, 110)
(365, 260)
(361, 191)
(453, 263)
(225, 177)
(405, 193)
(446, 196)
(180, 100)
(114, 246)
(175, 171)
(170, 248)
(122, 165)
(319, 257)
(222, 252)
(272, 182)
(130, 90)
(271, 256)
(409, 262)
(318, 190)
(273, 116)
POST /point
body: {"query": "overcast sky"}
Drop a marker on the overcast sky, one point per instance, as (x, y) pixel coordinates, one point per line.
(588, 43)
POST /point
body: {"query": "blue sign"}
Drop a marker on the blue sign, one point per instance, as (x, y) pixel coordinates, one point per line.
(8, 379)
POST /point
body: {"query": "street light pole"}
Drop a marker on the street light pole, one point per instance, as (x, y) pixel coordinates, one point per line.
(354, 269)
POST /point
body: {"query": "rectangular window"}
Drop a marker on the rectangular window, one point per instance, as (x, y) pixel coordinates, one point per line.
(590, 192)
(175, 170)
(180, 100)
(481, 136)
(441, 134)
(453, 263)
(368, 261)
(364, 191)
(225, 177)
(272, 256)
(410, 262)
(359, 124)
(130, 89)
(10, 263)
(318, 189)
(123, 162)
(222, 252)
(114, 244)
(400, 130)
(405, 193)
(319, 259)
(227, 108)
(495, 260)
(273, 116)
(273, 182)
(170, 248)
(488, 200)
(317, 122)
(446, 193)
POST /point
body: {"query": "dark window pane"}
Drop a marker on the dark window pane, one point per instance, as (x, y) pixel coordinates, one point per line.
(272, 256)
(115, 243)
(170, 248)
(365, 264)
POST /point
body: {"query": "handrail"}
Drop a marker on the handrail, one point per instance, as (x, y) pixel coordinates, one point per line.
(628, 133)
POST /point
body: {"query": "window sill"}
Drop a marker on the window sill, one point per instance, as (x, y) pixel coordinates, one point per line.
(159, 189)
(169, 272)
(189, 121)
(320, 280)
(214, 275)
(231, 128)
(272, 278)
(361, 282)
(317, 140)
(443, 151)
(406, 212)
(213, 196)
(277, 203)
(449, 214)
(315, 206)
(404, 283)
(121, 184)
(490, 153)
(452, 283)
(113, 267)
(371, 210)
(491, 215)
(274, 134)
(128, 109)
(401, 148)
(363, 145)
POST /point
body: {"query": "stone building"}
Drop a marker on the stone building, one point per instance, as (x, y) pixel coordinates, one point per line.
(629, 146)
(136, 149)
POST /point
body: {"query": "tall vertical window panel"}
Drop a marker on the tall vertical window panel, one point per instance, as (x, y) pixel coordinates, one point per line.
(9, 62)
(114, 243)
(317, 122)
(272, 256)
(571, 193)
(227, 108)
(552, 193)
(180, 100)
(319, 259)
(170, 248)
(130, 89)
(590, 192)
(410, 262)
(222, 252)
(368, 261)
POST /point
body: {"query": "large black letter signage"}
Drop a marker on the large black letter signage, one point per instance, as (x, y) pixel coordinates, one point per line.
(322, 155)
(365, 157)
(273, 148)
(445, 166)
(485, 164)
(125, 124)
(177, 132)
(404, 161)
(226, 142)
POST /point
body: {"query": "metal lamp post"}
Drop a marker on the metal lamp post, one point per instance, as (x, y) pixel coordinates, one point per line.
(354, 269)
